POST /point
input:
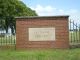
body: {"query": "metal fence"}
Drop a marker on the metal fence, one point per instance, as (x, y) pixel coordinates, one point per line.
(7, 33)
(74, 33)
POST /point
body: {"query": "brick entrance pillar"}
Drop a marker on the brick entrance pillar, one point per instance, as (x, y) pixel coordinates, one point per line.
(42, 32)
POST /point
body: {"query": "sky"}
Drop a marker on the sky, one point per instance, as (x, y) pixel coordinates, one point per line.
(56, 7)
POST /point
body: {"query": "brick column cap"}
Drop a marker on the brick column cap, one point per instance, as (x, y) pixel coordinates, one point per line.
(41, 17)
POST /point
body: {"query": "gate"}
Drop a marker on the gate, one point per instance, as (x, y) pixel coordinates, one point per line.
(74, 34)
(7, 33)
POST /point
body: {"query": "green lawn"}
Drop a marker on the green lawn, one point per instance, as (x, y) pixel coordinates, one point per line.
(51, 54)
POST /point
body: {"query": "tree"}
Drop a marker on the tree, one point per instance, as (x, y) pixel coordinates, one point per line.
(12, 8)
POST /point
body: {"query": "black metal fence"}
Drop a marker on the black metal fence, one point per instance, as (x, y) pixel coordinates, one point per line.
(74, 33)
(7, 33)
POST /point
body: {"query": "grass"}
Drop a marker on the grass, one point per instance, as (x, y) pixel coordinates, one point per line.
(50, 54)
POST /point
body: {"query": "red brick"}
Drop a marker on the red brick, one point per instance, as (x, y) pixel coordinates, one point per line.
(60, 23)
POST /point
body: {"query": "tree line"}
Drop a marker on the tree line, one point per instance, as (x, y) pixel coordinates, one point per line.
(10, 9)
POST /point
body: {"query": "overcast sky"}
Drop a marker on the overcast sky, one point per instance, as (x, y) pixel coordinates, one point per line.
(56, 7)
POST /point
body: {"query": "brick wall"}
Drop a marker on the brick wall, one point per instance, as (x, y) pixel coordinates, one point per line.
(61, 32)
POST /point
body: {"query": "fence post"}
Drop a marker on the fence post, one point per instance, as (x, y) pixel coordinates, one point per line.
(70, 34)
(79, 32)
(76, 33)
(73, 33)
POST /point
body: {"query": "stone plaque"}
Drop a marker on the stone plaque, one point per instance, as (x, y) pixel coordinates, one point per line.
(41, 34)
